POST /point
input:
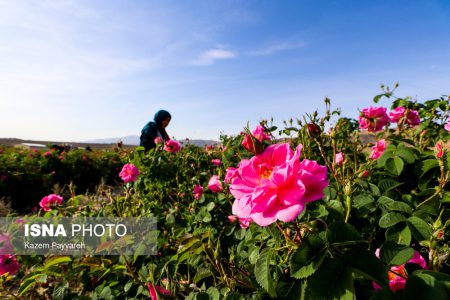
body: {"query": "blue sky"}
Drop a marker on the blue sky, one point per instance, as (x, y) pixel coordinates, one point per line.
(80, 70)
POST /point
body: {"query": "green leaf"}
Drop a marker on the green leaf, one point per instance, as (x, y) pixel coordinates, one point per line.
(420, 229)
(390, 219)
(308, 257)
(331, 281)
(387, 184)
(395, 165)
(399, 233)
(213, 293)
(366, 264)
(262, 272)
(424, 286)
(443, 278)
(407, 154)
(424, 166)
(56, 261)
(446, 197)
(394, 254)
(340, 233)
(202, 274)
(399, 206)
(362, 200)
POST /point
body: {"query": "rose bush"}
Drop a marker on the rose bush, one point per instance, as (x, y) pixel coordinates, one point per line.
(298, 215)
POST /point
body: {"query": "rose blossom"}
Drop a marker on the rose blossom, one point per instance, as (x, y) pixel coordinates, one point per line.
(8, 264)
(153, 294)
(50, 200)
(214, 184)
(378, 149)
(172, 146)
(447, 126)
(398, 113)
(276, 185)
(216, 162)
(129, 173)
(373, 118)
(243, 222)
(397, 282)
(231, 174)
(260, 135)
(339, 158)
(158, 140)
(198, 191)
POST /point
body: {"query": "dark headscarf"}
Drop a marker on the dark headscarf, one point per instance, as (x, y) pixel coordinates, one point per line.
(159, 117)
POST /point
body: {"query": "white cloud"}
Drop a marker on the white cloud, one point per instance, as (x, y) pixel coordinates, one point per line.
(278, 47)
(210, 56)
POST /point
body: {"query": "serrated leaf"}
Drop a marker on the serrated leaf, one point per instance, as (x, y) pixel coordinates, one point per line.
(394, 254)
(424, 286)
(399, 206)
(262, 272)
(213, 293)
(387, 184)
(390, 219)
(394, 165)
(400, 233)
(202, 274)
(406, 154)
(308, 257)
(331, 281)
(362, 200)
(420, 229)
(340, 233)
(426, 165)
(366, 264)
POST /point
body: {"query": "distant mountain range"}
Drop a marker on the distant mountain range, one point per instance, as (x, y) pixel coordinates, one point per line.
(134, 140)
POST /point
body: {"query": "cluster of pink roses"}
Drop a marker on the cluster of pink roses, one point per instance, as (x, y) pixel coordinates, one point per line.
(129, 173)
(8, 262)
(49, 201)
(275, 185)
(375, 118)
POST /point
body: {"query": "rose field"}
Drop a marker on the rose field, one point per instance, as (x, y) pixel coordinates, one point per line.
(327, 207)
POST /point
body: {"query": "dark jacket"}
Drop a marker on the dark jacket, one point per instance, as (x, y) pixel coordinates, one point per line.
(151, 129)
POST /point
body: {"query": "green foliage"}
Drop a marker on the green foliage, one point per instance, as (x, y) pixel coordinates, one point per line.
(397, 203)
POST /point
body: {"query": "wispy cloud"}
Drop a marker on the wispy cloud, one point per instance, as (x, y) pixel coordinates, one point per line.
(274, 48)
(210, 56)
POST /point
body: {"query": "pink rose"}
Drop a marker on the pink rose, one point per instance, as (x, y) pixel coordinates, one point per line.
(339, 158)
(398, 113)
(260, 135)
(5, 244)
(245, 222)
(275, 185)
(8, 264)
(216, 162)
(231, 174)
(51, 200)
(214, 184)
(198, 191)
(373, 118)
(397, 282)
(447, 126)
(152, 290)
(172, 146)
(47, 153)
(158, 140)
(129, 173)
(378, 149)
